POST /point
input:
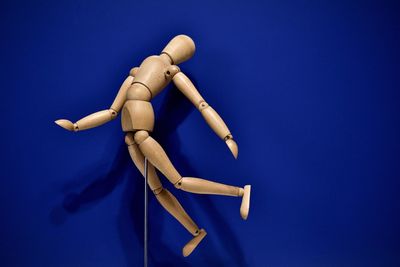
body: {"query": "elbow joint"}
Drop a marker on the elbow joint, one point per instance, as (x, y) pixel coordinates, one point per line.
(202, 105)
(113, 113)
(76, 127)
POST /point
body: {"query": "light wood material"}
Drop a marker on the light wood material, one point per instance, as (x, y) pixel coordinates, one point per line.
(151, 73)
(212, 118)
(180, 49)
(185, 85)
(137, 115)
(172, 71)
(166, 58)
(157, 156)
(215, 121)
(66, 124)
(138, 159)
(172, 205)
(164, 197)
(192, 244)
(153, 151)
(137, 119)
(100, 117)
(90, 121)
(121, 96)
(138, 91)
(233, 147)
(96, 119)
(133, 71)
(245, 206)
(201, 186)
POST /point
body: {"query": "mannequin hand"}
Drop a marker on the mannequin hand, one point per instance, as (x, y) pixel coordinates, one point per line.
(68, 125)
(233, 147)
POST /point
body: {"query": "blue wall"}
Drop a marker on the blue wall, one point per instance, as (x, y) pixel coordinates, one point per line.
(310, 90)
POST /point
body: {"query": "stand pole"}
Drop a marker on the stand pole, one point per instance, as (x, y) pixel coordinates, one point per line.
(145, 211)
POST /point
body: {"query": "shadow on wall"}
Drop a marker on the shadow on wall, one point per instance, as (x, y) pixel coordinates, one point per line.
(173, 112)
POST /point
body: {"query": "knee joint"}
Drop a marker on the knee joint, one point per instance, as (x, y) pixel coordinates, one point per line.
(178, 184)
(140, 136)
(129, 140)
(158, 191)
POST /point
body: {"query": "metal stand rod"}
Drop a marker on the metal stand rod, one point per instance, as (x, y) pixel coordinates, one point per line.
(145, 212)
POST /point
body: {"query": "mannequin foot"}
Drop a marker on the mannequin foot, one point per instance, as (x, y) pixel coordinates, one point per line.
(245, 206)
(192, 244)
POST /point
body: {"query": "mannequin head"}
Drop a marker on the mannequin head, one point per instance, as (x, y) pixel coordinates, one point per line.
(180, 49)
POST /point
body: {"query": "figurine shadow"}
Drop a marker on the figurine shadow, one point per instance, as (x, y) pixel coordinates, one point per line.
(173, 111)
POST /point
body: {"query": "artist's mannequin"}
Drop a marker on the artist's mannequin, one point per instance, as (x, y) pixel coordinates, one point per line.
(133, 98)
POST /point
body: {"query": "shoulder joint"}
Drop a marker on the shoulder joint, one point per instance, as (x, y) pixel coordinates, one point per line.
(171, 71)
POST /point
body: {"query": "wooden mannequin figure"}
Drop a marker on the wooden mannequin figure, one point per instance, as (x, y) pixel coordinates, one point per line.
(133, 98)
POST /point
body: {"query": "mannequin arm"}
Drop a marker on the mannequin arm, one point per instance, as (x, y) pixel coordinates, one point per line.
(212, 118)
(100, 117)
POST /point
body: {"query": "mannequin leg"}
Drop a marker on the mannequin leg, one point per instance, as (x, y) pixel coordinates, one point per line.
(166, 199)
(157, 156)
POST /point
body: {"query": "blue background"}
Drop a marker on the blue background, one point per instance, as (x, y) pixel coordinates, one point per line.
(309, 89)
